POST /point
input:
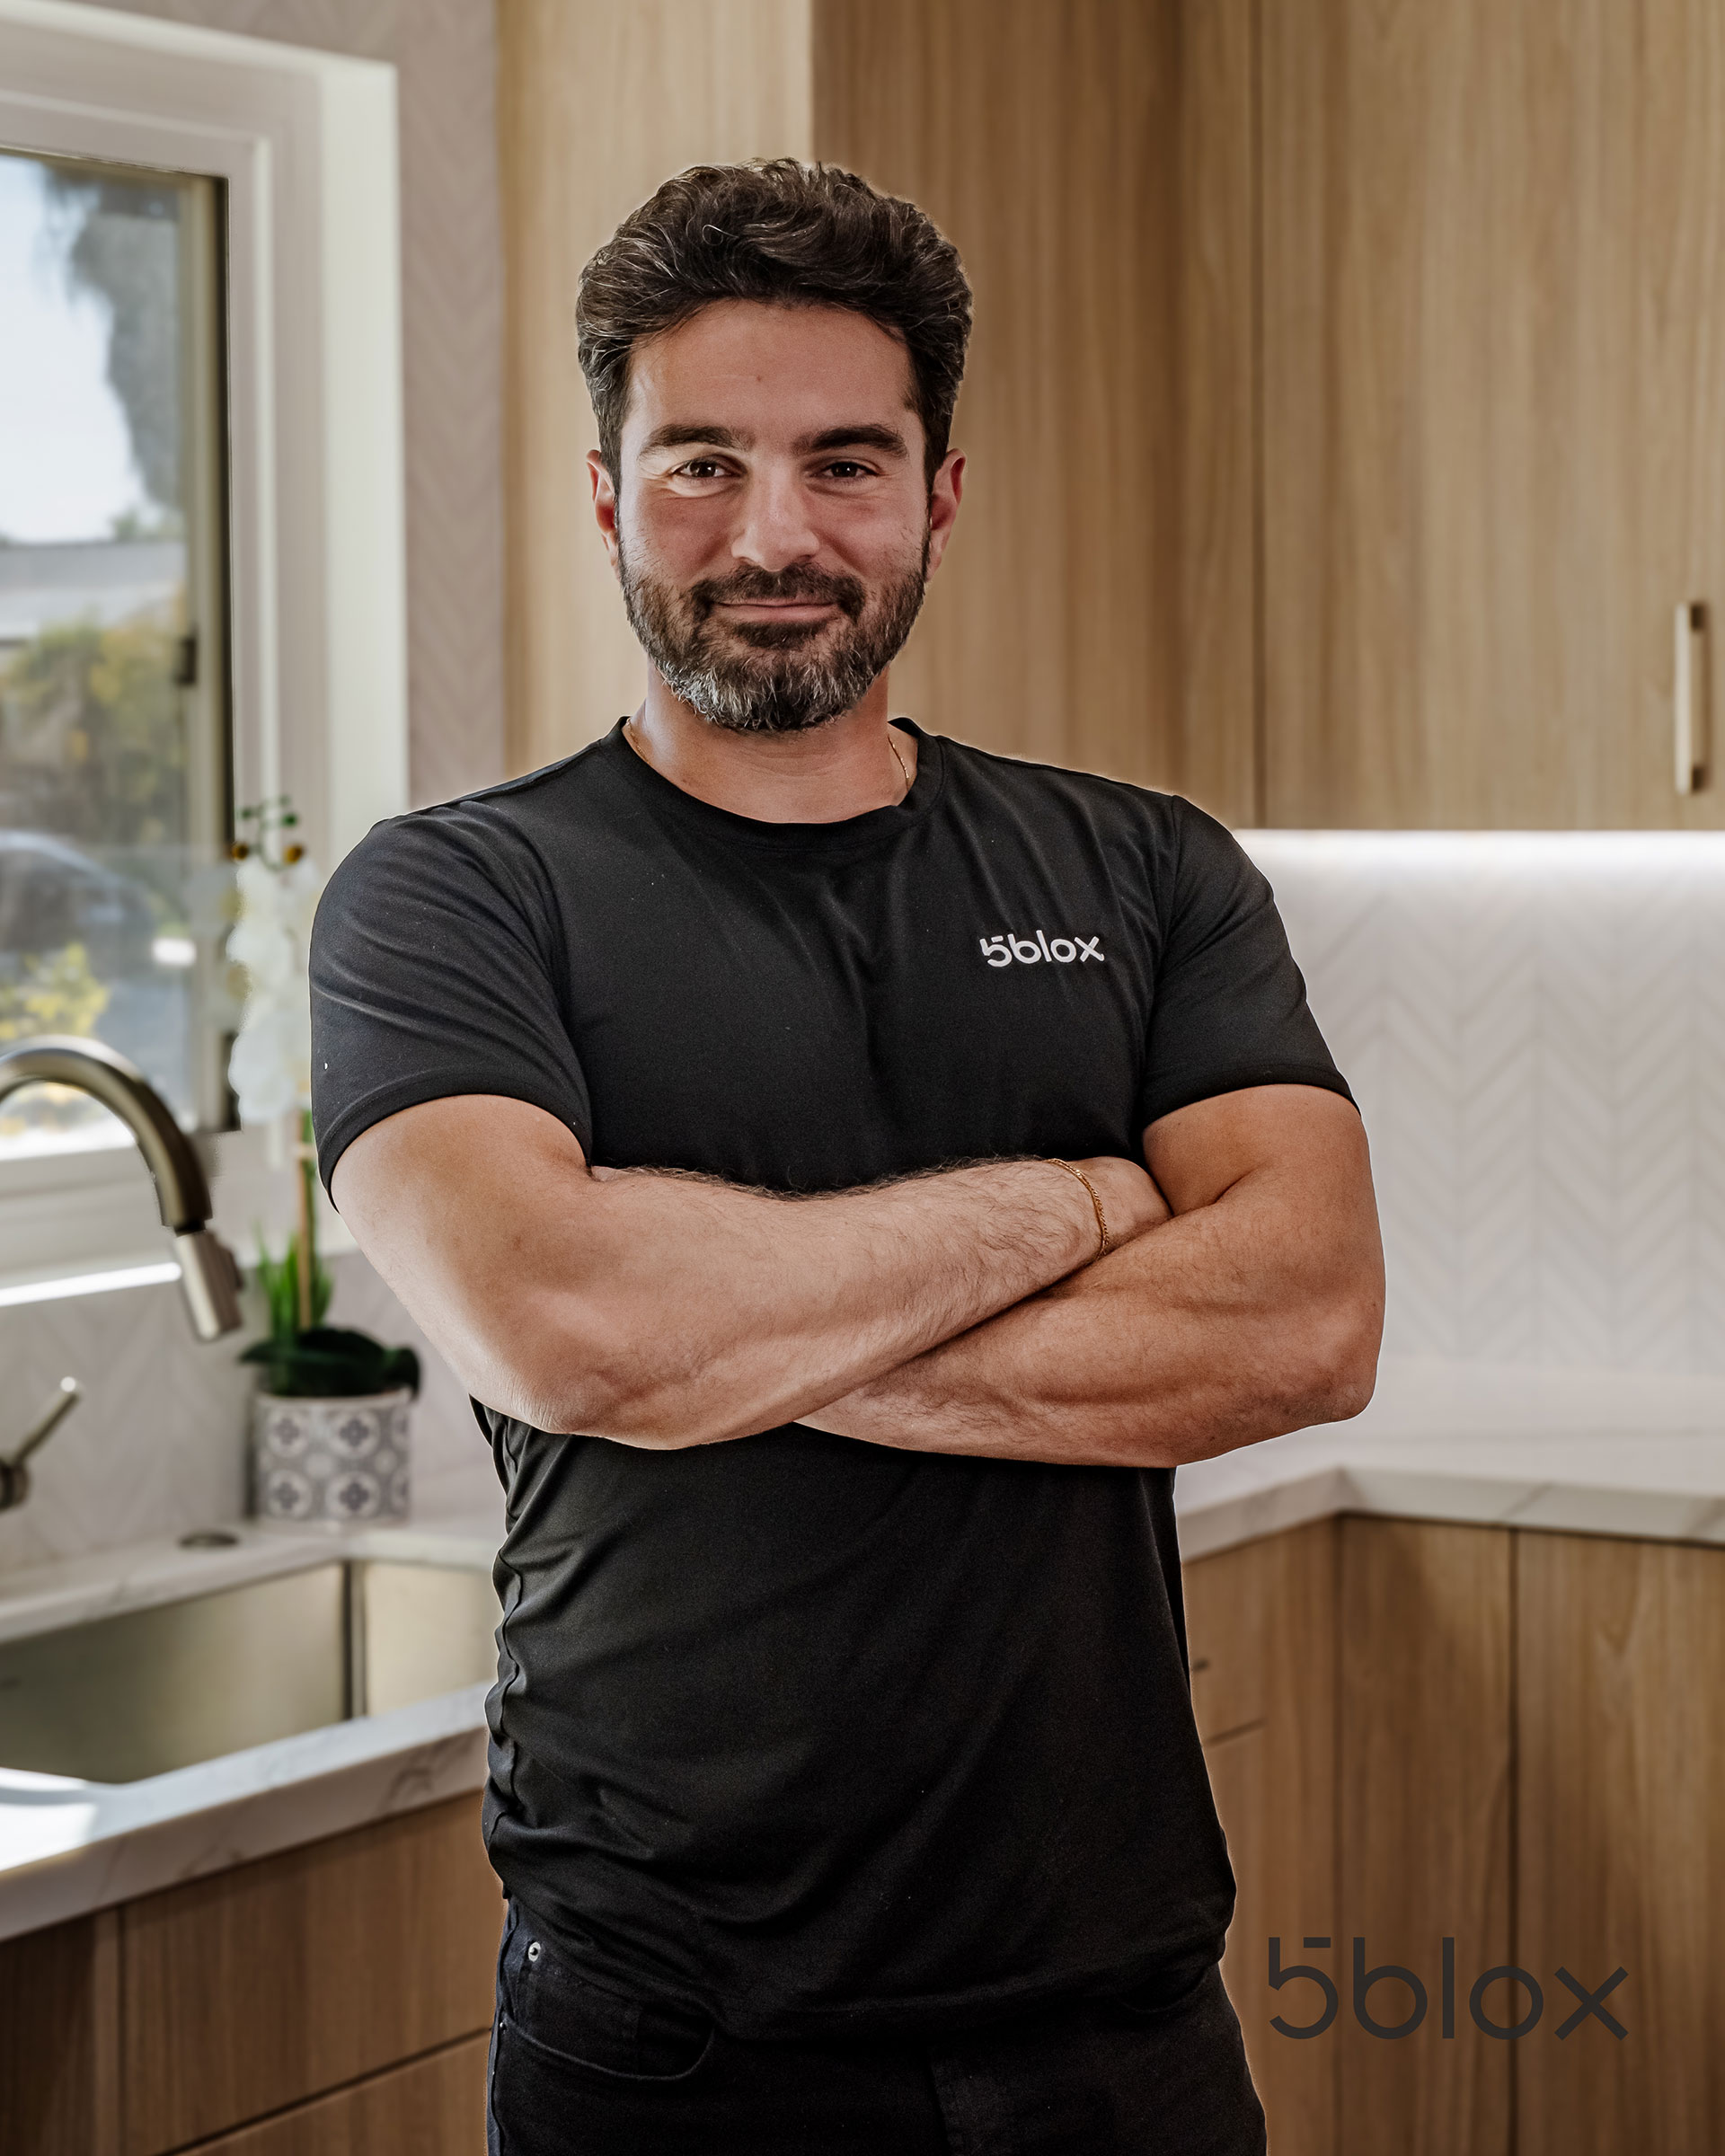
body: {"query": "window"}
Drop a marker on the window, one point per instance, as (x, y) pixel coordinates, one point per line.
(254, 184)
(114, 789)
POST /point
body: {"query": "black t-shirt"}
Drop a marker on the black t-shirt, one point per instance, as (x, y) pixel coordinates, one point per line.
(809, 1734)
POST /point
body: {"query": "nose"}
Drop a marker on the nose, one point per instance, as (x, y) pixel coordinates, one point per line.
(776, 529)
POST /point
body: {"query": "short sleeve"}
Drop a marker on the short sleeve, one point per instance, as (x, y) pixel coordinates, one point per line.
(433, 973)
(1228, 1008)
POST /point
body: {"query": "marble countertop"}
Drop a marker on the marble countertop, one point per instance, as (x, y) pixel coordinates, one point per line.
(75, 1590)
(1589, 1453)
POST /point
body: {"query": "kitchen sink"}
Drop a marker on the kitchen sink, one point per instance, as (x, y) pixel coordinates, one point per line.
(120, 1698)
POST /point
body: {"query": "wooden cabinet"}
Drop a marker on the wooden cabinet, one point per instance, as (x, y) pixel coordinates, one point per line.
(1261, 1637)
(1425, 1744)
(361, 1965)
(1346, 409)
(1620, 1847)
(1493, 406)
(1512, 1742)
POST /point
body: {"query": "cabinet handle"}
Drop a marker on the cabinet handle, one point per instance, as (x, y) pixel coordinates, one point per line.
(1690, 699)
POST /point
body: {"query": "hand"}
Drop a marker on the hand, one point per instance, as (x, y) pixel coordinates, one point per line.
(1130, 1199)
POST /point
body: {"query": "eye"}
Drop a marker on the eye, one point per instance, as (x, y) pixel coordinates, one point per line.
(700, 467)
(847, 467)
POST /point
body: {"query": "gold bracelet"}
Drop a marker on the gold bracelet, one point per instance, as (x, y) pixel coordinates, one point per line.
(1106, 1242)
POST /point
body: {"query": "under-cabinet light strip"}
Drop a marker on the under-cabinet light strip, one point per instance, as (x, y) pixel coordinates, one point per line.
(89, 1283)
(1602, 853)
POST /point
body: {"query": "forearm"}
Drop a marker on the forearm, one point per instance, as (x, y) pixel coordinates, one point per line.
(667, 1310)
(779, 1303)
(1223, 1327)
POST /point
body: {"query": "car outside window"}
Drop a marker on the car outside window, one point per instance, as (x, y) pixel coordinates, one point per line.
(114, 739)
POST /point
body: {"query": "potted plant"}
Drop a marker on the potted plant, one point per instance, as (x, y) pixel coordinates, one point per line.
(330, 1431)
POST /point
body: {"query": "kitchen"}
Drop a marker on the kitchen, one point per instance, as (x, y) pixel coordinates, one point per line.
(1370, 359)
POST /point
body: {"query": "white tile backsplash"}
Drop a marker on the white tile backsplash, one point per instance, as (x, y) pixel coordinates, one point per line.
(157, 1445)
(1535, 1027)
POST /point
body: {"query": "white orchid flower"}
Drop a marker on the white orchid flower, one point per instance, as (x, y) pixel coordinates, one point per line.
(269, 1053)
(270, 1067)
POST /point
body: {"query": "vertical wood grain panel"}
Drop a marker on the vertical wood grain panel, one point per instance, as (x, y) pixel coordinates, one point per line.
(1263, 1616)
(56, 2040)
(107, 2088)
(1228, 1599)
(1042, 142)
(1622, 1844)
(596, 104)
(1426, 1765)
(436, 2107)
(1213, 754)
(1494, 324)
(262, 1986)
(1297, 1895)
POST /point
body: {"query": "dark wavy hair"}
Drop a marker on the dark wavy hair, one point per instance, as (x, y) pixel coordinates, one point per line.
(788, 234)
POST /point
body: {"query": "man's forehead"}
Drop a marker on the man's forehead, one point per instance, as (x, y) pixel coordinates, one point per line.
(742, 368)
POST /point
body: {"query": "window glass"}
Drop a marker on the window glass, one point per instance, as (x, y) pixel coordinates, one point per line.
(113, 734)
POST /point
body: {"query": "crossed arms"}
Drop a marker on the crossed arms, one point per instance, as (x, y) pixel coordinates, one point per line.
(956, 1312)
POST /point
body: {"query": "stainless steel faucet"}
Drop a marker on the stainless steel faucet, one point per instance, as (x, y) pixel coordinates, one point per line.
(14, 1475)
(208, 1274)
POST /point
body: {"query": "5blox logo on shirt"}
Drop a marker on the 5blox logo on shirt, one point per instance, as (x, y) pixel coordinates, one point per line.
(1031, 950)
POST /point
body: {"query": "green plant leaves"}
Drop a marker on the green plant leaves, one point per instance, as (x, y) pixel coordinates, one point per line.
(330, 1363)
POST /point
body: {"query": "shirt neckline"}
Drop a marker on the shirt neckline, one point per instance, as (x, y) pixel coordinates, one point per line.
(849, 835)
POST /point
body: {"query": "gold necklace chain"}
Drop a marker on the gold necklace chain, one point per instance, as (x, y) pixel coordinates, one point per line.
(904, 768)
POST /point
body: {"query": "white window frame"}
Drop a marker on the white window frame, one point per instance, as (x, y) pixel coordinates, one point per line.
(306, 145)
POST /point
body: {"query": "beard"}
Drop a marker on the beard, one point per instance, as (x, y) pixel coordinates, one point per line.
(771, 677)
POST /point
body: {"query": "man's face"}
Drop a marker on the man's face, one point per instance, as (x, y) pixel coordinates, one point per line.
(775, 529)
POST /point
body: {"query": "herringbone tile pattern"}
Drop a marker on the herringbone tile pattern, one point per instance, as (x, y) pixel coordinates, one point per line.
(1535, 1030)
(157, 1444)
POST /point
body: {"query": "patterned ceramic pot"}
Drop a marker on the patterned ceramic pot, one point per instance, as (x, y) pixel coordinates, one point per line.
(323, 1463)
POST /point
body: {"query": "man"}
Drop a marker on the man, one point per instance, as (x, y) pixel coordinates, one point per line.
(756, 1108)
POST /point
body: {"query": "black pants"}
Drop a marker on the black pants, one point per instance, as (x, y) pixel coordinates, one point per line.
(579, 2071)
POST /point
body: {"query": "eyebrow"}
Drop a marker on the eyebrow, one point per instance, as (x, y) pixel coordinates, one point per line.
(887, 439)
(677, 434)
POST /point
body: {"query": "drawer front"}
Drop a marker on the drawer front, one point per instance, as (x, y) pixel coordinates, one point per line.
(434, 2108)
(1228, 1599)
(278, 1981)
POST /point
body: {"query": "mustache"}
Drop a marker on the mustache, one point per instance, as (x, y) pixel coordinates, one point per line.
(753, 586)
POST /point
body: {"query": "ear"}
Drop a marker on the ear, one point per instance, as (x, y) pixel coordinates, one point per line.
(605, 505)
(943, 498)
